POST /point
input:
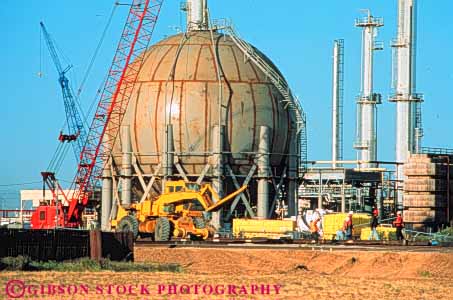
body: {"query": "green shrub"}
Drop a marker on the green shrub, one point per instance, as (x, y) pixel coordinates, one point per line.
(79, 265)
(425, 274)
(22, 263)
(19, 263)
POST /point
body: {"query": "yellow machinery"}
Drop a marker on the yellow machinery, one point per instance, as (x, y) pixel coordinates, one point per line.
(178, 212)
(385, 233)
(254, 228)
(334, 222)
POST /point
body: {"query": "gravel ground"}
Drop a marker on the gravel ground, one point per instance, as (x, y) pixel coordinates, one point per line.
(218, 274)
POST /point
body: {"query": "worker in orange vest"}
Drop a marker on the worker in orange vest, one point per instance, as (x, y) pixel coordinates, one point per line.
(399, 224)
(348, 226)
(314, 229)
(341, 233)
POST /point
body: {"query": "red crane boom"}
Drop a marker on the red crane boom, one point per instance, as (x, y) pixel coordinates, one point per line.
(126, 65)
(112, 106)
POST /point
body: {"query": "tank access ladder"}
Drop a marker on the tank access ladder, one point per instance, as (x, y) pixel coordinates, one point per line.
(289, 101)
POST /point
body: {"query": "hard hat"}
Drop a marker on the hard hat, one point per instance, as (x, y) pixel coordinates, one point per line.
(398, 213)
(351, 212)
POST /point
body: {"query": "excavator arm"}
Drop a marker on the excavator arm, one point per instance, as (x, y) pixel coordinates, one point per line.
(209, 203)
(224, 200)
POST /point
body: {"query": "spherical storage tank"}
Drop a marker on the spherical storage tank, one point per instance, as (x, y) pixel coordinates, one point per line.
(178, 84)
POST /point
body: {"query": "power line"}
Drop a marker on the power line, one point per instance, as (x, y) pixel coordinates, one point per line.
(93, 58)
(23, 183)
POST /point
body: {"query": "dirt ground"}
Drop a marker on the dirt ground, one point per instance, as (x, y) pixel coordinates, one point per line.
(268, 274)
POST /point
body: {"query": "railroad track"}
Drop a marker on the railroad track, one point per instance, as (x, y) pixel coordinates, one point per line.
(306, 245)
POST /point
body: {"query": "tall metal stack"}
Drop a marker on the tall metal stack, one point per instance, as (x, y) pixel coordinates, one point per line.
(427, 191)
(366, 142)
(408, 102)
(337, 102)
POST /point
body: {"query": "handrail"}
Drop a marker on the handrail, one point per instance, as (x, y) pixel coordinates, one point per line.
(289, 101)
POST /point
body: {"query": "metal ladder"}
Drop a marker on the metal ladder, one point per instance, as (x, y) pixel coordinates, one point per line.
(418, 127)
(288, 101)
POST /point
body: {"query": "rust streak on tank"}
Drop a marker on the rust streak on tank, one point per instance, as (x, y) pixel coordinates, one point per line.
(230, 111)
(206, 107)
(210, 81)
(236, 63)
(134, 136)
(197, 63)
(181, 97)
(156, 135)
(214, 61)
(160, 62)
(254, 71)
(254, 116)
(275, 114)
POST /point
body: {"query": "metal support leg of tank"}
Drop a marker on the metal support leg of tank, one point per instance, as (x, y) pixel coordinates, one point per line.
(241, 196)
(218, 133)
(216, 216)
(126, 167)
(168, 158)
(262, 160)
(106, 200)
(150, 183)
(181, 172)
(277, 188)
(113, 212)
(293, 169)
(203, 173)
(116, 184)
(116, 196)
(292, 197)
(138, 171)
(141, 179)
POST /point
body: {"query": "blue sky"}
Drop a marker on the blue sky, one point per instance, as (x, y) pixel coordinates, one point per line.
(297, 36)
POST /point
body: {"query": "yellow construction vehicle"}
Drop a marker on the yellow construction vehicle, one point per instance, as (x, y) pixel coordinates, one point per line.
(179, 212)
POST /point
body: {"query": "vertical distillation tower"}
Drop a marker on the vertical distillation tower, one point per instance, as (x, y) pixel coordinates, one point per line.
(337, 102)
(366, 142)
(408, 103)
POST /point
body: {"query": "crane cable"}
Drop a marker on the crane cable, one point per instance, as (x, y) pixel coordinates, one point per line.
(88, 70)
(90, 66)
(58, 157)
(62, 149)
